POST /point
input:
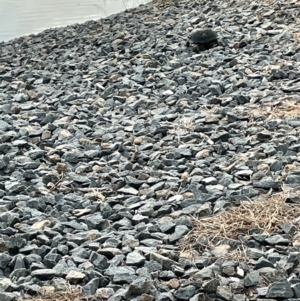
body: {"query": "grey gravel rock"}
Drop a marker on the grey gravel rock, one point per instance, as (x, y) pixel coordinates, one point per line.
(179, 232)
(277, 240)
(124, 275)
(5, 296)
(91, 287)
(113, 134)
(185, 293)
(280, 289)
(296, 289)
(135, 259)
(164, 261)
(224, 292)
(252, 279)
(140, 286)
(210, 286)
(44, 274)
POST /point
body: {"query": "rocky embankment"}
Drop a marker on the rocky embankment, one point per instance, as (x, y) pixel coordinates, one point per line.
(113, 133)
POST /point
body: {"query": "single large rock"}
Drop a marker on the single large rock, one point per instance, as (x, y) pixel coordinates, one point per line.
(280, 289)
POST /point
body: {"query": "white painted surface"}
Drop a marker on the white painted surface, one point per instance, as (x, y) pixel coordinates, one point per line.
(23, 17)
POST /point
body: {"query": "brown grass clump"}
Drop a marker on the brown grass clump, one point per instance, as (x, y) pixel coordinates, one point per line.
(287, 108)
(263, 215)
(72, 293)
(238, 254)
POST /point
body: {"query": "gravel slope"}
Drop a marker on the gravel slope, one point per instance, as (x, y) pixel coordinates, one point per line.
(113, 133)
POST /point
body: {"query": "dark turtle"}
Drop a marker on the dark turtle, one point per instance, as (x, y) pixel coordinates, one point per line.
(202, 38)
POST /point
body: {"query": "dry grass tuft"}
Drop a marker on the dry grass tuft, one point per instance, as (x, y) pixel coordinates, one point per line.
(263, 215)
(72, 293)
(98, 195)
(184, 125)
(287, 108)
(238, 254)
(296, 37)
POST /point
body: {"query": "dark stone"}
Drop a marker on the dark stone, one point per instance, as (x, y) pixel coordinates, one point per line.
(210, 286)
(185, 293)
(179, 232)
(124, 275)
(99, 261)
(5, 259)
(280, 289)
(140, 286)
(267, 183)
(278, 240)
(91, 287)
(263, 263)
(52, 259)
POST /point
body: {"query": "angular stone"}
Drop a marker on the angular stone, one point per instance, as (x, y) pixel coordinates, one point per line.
(252, 279)
(164, 261)
(288, 228)
(255, 253)
(17, 273)
(166, 275)
(179, 232)
(44, 274)
(165, 297)
(140, 286)
(185, 293)
(277, 240)
(205, 273)
(262, 291)
(99, 261)
(4, 259)
(124, 275)
(239, 297)
(210, 286)
(135, 259)
(267, 183)
(91, 287)
(128, 190)
(280, 289)
(224, 292)
(4, 296)
(263, 263)
(109, 252)
(104, 293)
(51, 259)
(228, 268)
(296, 289)
(173, 283)
(75, 276)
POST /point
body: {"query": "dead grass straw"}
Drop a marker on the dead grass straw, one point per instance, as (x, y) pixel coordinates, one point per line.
(71, 293)
(263, 215)
(288, 108)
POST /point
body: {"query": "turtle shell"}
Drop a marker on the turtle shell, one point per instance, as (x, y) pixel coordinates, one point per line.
(202, 36)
